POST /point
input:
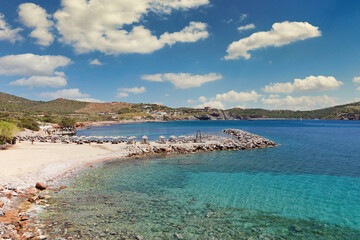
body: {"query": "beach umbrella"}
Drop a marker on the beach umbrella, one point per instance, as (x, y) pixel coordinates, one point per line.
(144, 137)
(182, 136)
(173, 137)
(162, 137)
(133, 137)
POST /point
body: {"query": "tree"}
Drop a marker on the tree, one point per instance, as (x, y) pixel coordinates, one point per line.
(67, 123)
(7, 132)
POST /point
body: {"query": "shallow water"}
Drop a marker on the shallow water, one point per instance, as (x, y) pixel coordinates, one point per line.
(306, 188)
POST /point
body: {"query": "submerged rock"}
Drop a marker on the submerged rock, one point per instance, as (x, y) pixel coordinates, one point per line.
(40, 186)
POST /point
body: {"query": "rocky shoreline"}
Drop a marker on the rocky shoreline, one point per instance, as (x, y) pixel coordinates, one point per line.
(18, 206)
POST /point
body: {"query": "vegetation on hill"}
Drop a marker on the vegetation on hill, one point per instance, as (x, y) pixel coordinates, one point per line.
(20, 111)
(67, 123)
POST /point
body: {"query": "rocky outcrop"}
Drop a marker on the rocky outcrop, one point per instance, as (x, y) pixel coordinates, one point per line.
(249, 140)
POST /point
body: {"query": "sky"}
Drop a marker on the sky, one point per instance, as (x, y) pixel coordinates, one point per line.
(273, 54)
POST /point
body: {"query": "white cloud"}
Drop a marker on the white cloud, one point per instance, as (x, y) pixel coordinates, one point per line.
(240, 106)
(183, 80)
(356, 80)
(212, 104)
(233, 96)
(134, 90)
(192, 33)
(7, 33)
(190, 101)
(358, 89)
(95, 62)
(125, 92)
(31, 65)
(153, 78)
(202, 99)
(274, 96)
(41, 81)
(34, 16)
(73, 93)
(60, 74)
(300, 103)
(99, 25)
(309, 84)
(281, 34)
(246, 27)
(88, 100)
(122, 95)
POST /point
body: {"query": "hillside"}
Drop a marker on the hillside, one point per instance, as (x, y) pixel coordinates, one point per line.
(13, 104)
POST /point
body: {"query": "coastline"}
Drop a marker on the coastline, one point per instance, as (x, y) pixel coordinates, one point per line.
(48, 164)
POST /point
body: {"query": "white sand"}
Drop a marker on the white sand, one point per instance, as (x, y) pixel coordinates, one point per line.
(24, 163)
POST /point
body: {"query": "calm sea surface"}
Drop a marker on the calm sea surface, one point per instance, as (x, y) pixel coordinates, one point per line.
(306, 188)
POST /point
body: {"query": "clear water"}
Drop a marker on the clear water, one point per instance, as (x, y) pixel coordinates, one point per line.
(306, 188)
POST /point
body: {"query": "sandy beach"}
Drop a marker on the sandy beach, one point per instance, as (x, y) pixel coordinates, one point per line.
(25, 164)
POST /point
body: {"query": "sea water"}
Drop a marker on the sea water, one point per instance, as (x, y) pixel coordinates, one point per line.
(308, 187)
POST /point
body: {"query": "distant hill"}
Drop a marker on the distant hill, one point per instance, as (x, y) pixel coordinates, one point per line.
(11, 103)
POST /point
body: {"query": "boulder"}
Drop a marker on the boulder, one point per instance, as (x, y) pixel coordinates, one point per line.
(40, 186)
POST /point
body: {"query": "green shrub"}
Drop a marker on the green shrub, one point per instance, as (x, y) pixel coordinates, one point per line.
(67, 122)
(7, 132)
(29, 123)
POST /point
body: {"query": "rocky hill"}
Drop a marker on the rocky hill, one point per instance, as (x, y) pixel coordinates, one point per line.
(11, 103)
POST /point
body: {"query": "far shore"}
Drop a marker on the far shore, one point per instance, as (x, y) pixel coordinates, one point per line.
(82, 125)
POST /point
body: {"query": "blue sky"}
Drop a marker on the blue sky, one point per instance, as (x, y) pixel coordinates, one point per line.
(281, 54)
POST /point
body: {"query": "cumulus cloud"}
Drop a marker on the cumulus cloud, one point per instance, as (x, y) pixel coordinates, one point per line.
(212, 104)
(300, 103)
(41, 81)
(191, 33)
(233, 96)
(309, 84)
(72, 94)
(95, 62)
(6, 32)
(202, 99)
(99, 25)
(183, 80)
(125, 92)
(356, 80)
(246, 27)
(34, 16)
(281, 34)
(31, 65)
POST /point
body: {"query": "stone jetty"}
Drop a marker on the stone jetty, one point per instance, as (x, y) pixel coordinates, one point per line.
(249, 140)
(235, 140)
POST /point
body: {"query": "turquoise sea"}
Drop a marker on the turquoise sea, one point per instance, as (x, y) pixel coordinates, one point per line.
(308, 187)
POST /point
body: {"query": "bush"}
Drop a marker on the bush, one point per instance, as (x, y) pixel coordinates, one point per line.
(29, 123)
(67, 123)
(7, 132)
